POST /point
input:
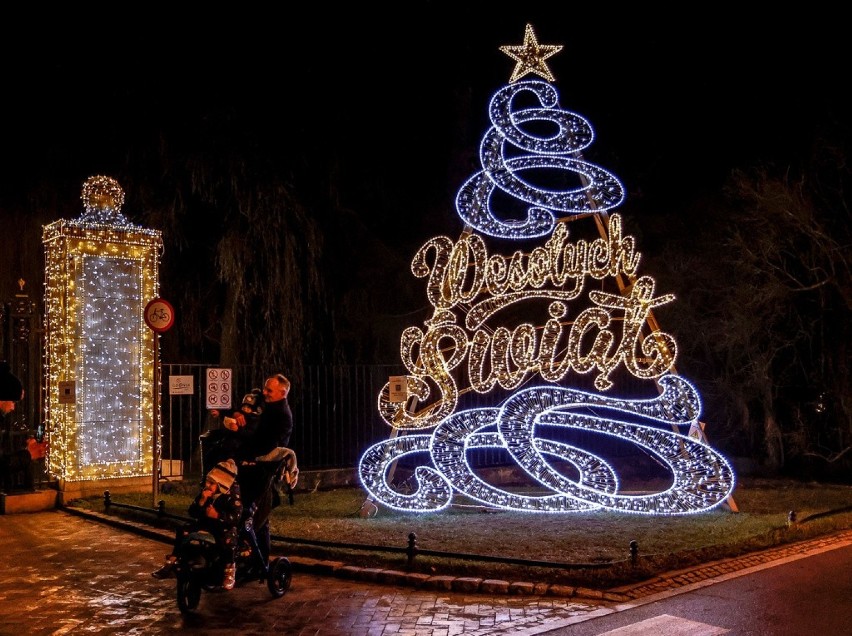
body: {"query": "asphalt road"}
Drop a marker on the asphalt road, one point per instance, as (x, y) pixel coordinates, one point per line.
(795, 596)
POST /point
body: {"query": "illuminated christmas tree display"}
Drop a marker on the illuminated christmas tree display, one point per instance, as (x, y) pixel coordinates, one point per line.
(100, 271)
(550, 328)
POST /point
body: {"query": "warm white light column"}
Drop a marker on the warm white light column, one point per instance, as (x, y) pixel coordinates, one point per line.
(100, 271)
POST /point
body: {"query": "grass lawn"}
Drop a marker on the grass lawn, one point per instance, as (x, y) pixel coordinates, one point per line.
(590, 548)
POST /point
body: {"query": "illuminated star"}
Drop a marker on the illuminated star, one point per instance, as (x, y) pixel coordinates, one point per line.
(530, 57)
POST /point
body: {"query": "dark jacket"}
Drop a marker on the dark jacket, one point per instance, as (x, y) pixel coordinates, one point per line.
(273, 429)
(229, 505)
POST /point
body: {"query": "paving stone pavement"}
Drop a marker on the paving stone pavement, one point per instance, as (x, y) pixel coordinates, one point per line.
(69, 574)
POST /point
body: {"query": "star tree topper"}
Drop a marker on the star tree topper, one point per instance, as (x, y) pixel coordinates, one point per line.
(530, 56)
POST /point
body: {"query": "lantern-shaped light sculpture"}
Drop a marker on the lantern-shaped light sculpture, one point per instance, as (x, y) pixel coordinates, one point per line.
(100, 271)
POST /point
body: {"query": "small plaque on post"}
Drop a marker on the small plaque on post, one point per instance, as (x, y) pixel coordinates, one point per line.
(67, 392)
(398, 388)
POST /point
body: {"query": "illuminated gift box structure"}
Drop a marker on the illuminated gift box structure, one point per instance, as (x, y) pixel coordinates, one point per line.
(100, 356)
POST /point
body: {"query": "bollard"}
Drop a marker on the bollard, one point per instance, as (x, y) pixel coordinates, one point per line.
(161, 508)
(411, 551)
(107, 500)
(634, 552)
(791, 518)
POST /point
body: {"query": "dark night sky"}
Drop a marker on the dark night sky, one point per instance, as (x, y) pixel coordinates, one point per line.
(677, 98)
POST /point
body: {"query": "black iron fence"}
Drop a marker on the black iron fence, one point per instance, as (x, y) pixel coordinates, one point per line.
(336, 418)
(334, 410)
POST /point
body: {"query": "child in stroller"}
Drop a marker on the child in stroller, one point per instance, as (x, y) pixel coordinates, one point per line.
(218, 508)
(199, 565)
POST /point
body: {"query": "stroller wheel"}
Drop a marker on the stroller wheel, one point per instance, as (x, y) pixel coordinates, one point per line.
(188, 593)
(280, 576)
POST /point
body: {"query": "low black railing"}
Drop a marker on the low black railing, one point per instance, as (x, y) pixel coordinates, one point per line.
(160, 510)
(411, 549)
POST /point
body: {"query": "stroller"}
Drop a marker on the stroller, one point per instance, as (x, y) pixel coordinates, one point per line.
(199, 566)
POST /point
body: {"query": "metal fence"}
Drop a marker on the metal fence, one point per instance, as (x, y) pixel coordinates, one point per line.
(335, 414)
(336, 418)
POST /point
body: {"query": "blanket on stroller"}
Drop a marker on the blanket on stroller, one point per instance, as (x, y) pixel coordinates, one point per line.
(286, 476)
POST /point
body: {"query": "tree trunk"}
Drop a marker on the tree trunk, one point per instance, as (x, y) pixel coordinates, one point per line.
(772, 439)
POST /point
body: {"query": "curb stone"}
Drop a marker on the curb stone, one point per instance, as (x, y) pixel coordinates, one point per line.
(524, 588)
(439, 582)
(467, 584)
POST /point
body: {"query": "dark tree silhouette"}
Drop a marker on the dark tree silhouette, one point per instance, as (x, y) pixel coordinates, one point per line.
(766, 301)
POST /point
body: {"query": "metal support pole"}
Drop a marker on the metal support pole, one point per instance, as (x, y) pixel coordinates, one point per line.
(155, 471)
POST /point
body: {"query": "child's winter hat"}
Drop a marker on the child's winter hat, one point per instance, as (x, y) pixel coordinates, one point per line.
(252, 400)
(11, 389)
(224, 473)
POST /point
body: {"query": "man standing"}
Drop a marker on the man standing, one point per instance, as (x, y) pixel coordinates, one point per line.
(11, 390)
(274, 426)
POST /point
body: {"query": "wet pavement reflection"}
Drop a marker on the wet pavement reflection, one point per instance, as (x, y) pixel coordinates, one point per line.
(63, 574)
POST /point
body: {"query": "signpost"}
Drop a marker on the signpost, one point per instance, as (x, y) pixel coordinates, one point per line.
(159, 316)
(219, 388)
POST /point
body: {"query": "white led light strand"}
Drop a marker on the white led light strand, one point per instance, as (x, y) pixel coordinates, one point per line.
(599, 190)
(701, 478)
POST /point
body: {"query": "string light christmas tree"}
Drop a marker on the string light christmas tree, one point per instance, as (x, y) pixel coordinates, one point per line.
(589, 315)
(100, 270)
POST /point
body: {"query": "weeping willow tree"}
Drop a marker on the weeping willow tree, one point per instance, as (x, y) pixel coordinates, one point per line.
(268, 260)
(244, 263)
